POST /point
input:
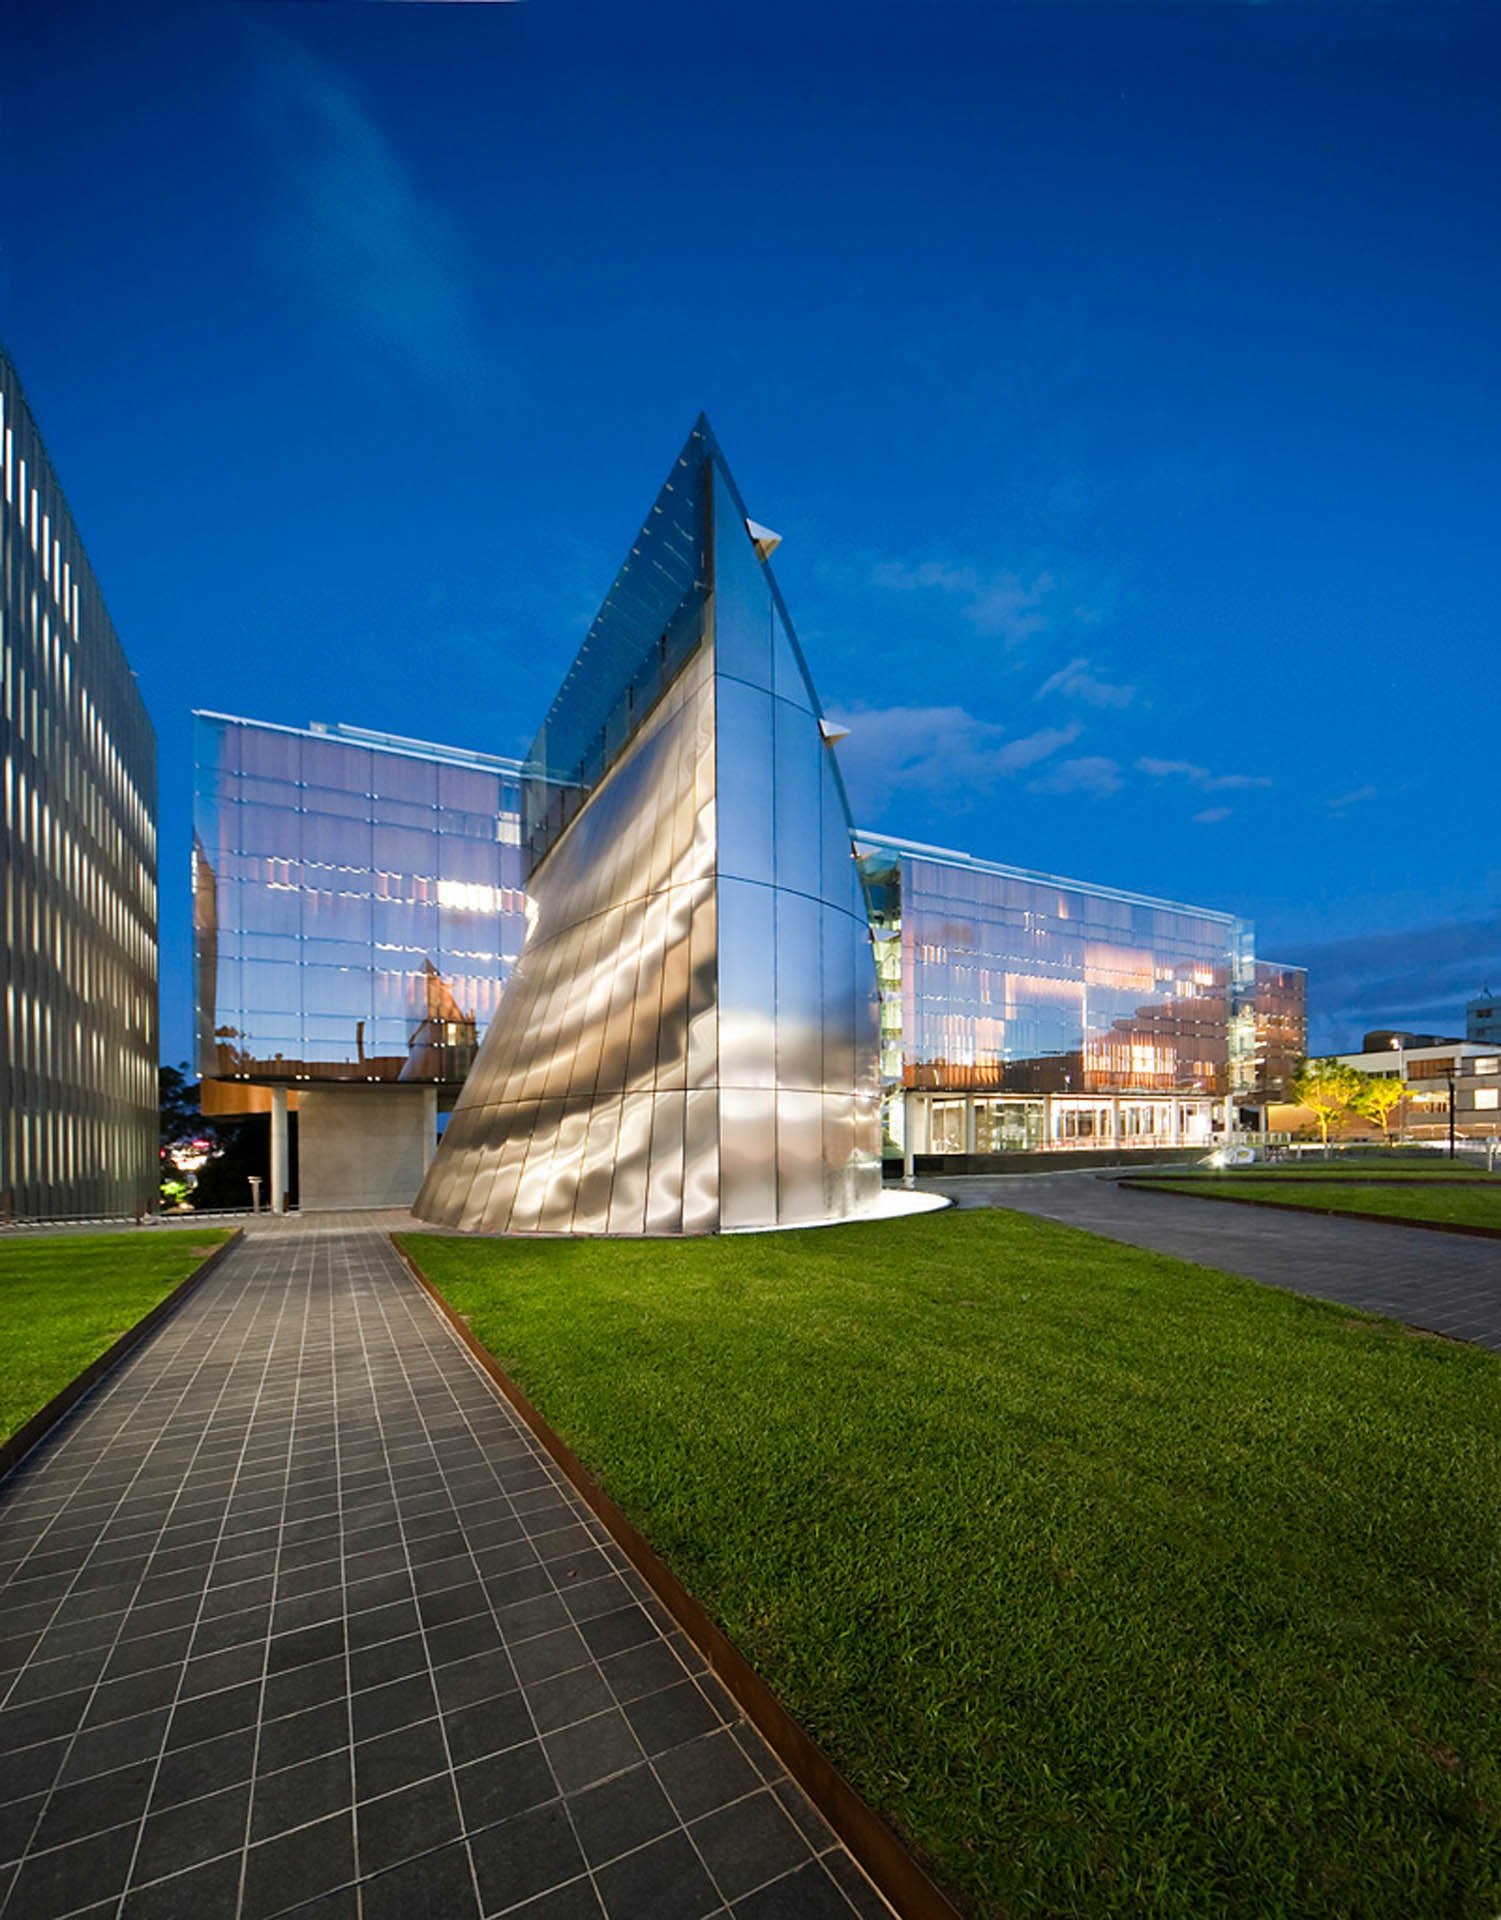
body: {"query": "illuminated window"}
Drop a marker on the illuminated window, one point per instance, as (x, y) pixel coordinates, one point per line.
(1488, 1098)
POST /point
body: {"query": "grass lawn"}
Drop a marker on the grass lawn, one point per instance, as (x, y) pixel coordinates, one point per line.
(1344, 1168)
(1120, 1586)
(65, 1298)
(1473, 1206)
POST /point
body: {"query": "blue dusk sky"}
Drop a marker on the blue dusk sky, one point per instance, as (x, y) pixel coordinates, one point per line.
(1125, 383)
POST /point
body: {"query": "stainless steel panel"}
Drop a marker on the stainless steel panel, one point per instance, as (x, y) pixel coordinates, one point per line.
(672, 1031)
(840, 1173)
(799, 992)
(800, 1183)
(701, 1161)
(510, 1156)
(534, 1185)
(788, 681)
(747, 1157)
(664, 1189)
(839, 877)
(799, 752)
(744, 782)
(632, 1165)
(703, 990)
(742, 596)
(591, 1212)
(839, 999)
(557, 1211)
(747, 985)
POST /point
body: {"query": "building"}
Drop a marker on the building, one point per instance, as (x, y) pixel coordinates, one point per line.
(78, 1045)
(357, 911)
(689, 1042)
(1023, 1012)
(1483, 1018)
(1440, 1078)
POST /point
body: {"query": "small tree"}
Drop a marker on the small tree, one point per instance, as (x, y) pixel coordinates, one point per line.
(1327, 1089)
(1379, 1097)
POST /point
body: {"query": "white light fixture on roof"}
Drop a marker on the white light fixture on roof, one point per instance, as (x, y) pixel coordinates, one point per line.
(832, 732)
(766, 542)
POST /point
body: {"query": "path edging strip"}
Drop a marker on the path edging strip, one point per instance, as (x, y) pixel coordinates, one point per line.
(875, 1847)
(1322, 1213)
(14, 1450)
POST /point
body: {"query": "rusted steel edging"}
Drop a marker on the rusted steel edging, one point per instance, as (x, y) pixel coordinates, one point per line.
(14, 1450)
(877, 1850)
(1182, 1192)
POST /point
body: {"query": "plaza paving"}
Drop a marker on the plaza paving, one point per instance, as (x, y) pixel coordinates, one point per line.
(1440, 1282)
(297, 1618)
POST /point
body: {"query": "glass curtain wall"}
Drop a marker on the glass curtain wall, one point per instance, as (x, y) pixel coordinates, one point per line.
(995, 980)
(358, 903)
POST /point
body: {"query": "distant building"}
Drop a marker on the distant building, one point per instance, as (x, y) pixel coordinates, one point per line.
(357, 912)
(1434, 1073)
(78, 976)
(1483, 1018)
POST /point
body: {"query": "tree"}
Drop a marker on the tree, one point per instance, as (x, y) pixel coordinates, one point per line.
(1378, 1098)
(1327, 1089)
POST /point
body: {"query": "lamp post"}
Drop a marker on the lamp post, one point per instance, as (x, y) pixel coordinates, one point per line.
(1401, 1082)
(1451, 1112)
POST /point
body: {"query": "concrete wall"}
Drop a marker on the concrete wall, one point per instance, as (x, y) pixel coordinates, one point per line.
(364, 1146)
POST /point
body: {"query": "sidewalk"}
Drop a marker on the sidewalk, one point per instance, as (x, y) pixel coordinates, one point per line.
(297, 1618)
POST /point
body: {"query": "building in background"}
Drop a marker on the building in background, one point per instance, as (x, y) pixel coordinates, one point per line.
(1483, 1018)
(1443, 1080)
(689, 1042)
(1023, 1012)
(78, 1043)
(357, 911)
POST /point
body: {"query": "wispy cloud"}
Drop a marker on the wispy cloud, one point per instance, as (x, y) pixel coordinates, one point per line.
(1001, 605)
(378, 255)
(1419, 977)
(1093, 774)
(1079, 681)
(1352, 799)
(1199, 777)
(1211, 816)
(944, 751)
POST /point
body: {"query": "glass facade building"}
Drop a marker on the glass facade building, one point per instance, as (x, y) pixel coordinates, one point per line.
(78, 1045)
(689, 1042)
(358, 903)
(1020, 1010)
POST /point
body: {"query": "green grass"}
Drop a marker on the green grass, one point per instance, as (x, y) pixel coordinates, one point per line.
(65, 1298)
(1384, 1167)
(1120, 1586)
(1477, 1206)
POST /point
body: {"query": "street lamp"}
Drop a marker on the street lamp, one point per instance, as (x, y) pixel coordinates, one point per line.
(1396, 1042)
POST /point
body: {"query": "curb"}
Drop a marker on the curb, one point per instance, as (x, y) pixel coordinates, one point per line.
(883, 1858)
(14, 1450)
(1321, 1213)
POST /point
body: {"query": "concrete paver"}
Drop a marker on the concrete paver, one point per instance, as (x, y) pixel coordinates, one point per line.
(297, 1617)
(1440, 1282)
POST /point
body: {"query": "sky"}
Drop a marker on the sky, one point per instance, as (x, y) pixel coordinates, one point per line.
(1124, 383)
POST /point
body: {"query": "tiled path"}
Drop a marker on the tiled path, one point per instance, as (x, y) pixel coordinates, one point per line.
(1437, 1281)
(297, 1618)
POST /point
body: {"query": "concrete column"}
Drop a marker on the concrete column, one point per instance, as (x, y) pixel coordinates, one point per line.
(1115, 1120)
(909, 1116)
(278, 1149)
(969, 1123)
(430, 1123)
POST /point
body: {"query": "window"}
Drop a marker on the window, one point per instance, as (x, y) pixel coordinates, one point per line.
(1488, 1098)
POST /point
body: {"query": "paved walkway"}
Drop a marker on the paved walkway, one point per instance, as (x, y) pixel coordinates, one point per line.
(1437, 1281)
(297, 1618)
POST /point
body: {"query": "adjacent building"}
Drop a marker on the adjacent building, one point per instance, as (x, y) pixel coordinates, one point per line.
(358, 907)
(1450, 1086)
(1483, 1018)
(78, 976)
(1021, 1011)
(689, 1041)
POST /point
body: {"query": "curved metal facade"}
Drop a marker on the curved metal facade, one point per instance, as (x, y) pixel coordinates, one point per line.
(689, 1040)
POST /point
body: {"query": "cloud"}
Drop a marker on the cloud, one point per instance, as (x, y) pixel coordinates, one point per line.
(379, 257)
(1199, 777)
(1001, 605)
(1352, 799)
(1418, 978)
(943, 751)
(1076, 681)
(1211, 816)
(1092, 774)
